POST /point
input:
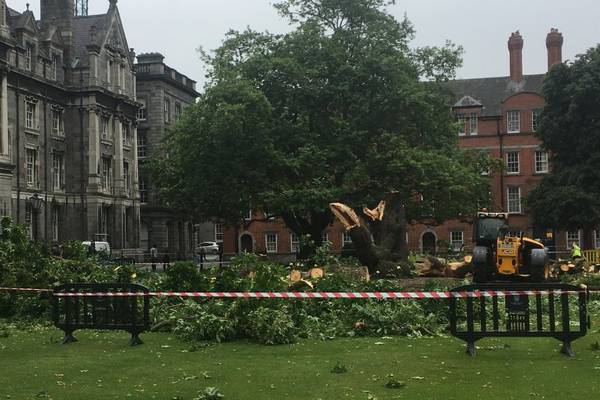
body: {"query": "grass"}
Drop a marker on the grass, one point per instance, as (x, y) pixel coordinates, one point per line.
(101, 366)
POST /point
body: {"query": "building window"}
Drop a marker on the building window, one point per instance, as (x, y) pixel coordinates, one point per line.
(271, 242)
(514, 199)
(597, 238)
(126, 177)
(535, 119)
(219, 233)
(573, 237)
(141, 145)
(107, 174)
(29, 220)
(31, 167)
(541, 162)
(457, 240)
(247, 215)
(325, 237)
(55, 223)
(126, 134)
(143, 190)
(29, 57)
(512, 162)
(462, 124)
(57, 123)
(177, 111)
(141, 115)
(167, 110)
(31, 115)
(109, 67)
(105, 127)
(57, 171)
(474, 121)
(55, 66)
(513, 119)
(346, 239)
(294, 243)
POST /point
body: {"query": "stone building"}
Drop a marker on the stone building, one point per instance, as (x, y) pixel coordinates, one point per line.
(68, 165)
(163, 93)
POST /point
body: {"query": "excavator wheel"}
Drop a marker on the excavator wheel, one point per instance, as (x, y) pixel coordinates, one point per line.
(481, 271)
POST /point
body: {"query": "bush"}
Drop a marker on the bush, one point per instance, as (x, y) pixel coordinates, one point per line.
(184, 276)
(209, 321)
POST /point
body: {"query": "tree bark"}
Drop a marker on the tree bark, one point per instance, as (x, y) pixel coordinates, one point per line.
(313, 225)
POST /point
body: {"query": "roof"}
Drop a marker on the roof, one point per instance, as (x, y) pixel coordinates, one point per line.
(491, 92)
(81, 33)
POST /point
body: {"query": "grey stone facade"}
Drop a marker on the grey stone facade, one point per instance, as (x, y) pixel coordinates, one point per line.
(164, 92)
(68, 125)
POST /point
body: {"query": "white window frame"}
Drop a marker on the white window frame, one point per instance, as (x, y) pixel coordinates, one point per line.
(167, 110)
(539, 160)
(141, 145)
(271, 245)
(346, 239)
(55, 63)
(513, 121)
(219, 232)
(456, 243)
(597, 238)
(325, 237)
(127, 177)
(178, 111)
(294, 243)
(510, 162)
(107, 174)
(109, 67)
(248, 215)
(31, 170)
(57, 123)
(508, 200)
(58, 165)
(473, 122)
(569, 238)
(461, 118)
(31, 115)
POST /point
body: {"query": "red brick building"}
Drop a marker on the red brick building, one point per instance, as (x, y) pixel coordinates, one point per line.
(498, 116)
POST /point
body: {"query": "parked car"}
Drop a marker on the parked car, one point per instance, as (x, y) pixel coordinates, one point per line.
(99, 247)
(209, 248)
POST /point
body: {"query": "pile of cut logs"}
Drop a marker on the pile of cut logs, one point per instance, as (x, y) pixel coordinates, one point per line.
(437, 267)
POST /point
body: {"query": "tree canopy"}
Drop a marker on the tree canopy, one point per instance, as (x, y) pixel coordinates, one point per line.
(339, 109)
(569, 197)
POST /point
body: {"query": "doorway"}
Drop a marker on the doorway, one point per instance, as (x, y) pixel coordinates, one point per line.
(429, 242)
(246, 243)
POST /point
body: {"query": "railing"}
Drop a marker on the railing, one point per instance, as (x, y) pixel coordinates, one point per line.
(89, 311)
(592, 256)
(560, 313)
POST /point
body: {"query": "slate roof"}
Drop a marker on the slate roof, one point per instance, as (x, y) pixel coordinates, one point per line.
(81, 33)
(491, 92)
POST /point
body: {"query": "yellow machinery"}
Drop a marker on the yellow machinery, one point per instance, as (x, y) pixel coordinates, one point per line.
(497, 254)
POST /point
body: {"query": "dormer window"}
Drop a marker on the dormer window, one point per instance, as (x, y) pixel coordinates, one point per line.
(28, 56)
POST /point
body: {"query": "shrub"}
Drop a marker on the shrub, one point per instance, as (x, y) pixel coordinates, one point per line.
(184, 276)
(208, 321)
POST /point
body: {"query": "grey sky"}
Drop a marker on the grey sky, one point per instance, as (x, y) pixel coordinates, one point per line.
(177, 27)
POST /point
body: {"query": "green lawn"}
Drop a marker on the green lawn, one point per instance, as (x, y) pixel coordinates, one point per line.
(101, 366)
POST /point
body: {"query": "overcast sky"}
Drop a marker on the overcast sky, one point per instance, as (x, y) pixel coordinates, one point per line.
(176, 28)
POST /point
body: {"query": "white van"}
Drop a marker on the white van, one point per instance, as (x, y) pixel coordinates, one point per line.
(100, 247)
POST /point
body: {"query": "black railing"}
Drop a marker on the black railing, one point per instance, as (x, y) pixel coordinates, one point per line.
(561, 313)
(84, 310)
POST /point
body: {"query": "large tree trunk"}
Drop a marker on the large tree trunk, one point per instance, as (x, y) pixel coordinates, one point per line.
(380, 238)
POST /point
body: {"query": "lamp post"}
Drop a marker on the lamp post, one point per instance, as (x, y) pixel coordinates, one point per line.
(36, 204)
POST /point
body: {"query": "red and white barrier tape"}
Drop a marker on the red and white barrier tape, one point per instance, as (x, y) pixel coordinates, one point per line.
(309, 295)
(323, 295)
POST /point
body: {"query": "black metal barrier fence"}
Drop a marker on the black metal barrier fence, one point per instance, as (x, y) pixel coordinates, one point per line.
(560, 314)
(126, 313)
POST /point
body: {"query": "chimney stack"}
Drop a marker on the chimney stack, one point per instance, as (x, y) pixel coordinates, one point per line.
(515, 48)
(554, 42)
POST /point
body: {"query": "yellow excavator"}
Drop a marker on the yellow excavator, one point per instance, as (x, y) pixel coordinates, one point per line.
(497, 254)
